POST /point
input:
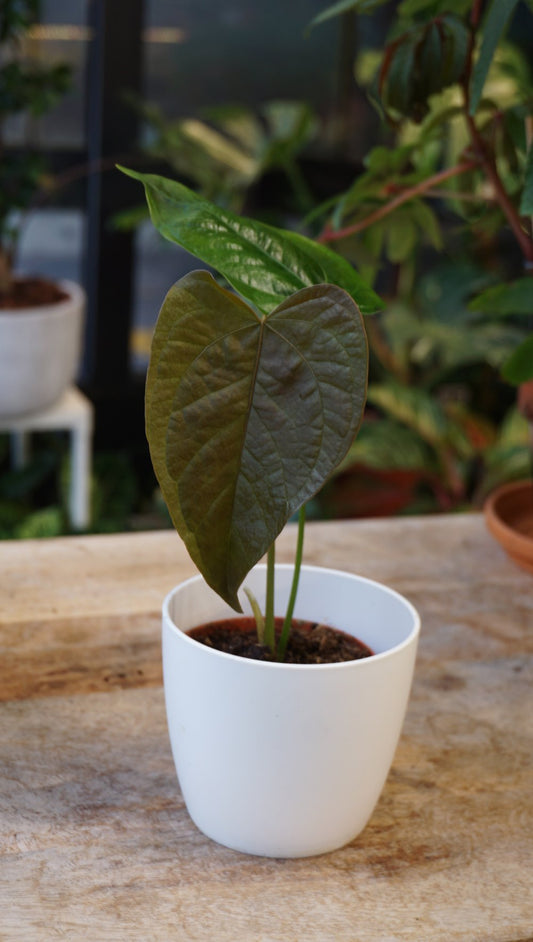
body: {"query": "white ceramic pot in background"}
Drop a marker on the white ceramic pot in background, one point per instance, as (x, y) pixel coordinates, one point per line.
(40, 352)
(287, 760)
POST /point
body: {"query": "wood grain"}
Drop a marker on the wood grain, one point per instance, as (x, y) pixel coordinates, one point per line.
(95, 841)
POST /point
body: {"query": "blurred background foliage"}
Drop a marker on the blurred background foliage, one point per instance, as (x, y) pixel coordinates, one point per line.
(437, 218)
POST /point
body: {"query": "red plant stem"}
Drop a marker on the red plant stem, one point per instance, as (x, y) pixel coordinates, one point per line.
(502, 197)
(330, 235)
(475, 15)
(486, 159)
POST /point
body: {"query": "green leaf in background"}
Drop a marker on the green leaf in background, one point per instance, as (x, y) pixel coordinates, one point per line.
(505, 300)
(344, 6)
(247, 415)
(414, 407)
(519, 367)
(47, 522)
(400, 76)
(387, 445)
(429, 55)
(427, 221)
(509, 458)
(455, 49)
(401, 236)
(493, 28)
(514, 430)
(409, 8)
(526, 203)
(263, 263)
(422, 61)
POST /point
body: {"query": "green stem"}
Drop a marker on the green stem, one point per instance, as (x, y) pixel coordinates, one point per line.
(286, 629)
(270, 632)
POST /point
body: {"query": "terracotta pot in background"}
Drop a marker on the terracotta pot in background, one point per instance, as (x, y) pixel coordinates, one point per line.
(509, 517)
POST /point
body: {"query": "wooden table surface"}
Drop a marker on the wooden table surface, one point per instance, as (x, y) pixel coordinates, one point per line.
(95, 840)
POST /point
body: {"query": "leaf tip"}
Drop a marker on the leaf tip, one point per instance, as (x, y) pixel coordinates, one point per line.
(128, 172)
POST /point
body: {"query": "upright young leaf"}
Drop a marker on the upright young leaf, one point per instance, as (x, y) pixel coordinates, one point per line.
(493, 29)
(263, 263)
(247, 415)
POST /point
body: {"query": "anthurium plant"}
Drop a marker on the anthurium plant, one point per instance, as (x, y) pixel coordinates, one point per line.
(256, 387)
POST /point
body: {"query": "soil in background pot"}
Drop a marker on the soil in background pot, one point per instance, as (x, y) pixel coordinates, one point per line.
(309, 642)
(31, 292)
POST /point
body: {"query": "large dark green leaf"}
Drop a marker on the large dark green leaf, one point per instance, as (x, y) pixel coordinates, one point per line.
(247, 415)
(263, 263)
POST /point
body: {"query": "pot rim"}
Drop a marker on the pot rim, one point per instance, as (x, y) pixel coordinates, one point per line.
(497, 524)
(277, 665)
(76, 295)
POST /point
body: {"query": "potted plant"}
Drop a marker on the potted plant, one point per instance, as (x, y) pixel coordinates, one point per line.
(253, 397)
(40, 321)
(509, 508)
(442, 212)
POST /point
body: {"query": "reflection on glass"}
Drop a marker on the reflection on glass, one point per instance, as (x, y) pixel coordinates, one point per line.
(61, 36)
(203, 53)
(51, 244)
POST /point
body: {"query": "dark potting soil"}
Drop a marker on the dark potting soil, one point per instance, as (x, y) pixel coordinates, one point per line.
(31, 292)
(309, 643)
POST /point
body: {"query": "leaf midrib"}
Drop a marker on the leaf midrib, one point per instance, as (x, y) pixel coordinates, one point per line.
(230, 534)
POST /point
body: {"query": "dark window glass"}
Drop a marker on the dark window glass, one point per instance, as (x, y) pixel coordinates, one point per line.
(203, 53)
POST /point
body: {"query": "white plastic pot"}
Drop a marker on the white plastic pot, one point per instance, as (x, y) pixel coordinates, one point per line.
(40, 352)
(287, 760)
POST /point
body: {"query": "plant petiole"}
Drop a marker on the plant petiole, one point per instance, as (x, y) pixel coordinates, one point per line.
(259, 620)
(287, 622)
(269, 637)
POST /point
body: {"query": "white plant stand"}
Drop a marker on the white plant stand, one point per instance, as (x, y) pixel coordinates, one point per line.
(74, 413)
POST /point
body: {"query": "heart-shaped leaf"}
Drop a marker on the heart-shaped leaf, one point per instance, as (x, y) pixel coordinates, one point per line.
(263, 263)
(247, 415)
